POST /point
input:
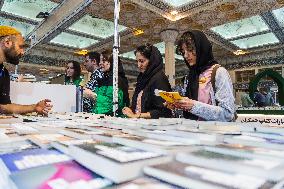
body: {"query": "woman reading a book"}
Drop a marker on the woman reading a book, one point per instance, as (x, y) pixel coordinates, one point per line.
(209, 91)
(104, 91)
(145, 104)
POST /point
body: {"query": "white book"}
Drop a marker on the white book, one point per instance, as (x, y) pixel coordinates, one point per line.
(259, 167)
(79, 133)
(155, 145)
(196, 177)
(116, 162)
(63, 146)
(237, 149)
(204, 138)
(256, 141)
(44, 140)
(24, 128)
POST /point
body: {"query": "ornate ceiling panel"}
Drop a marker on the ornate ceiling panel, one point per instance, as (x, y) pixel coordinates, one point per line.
(230, 25)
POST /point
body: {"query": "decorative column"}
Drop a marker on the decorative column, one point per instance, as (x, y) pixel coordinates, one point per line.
(169, 37)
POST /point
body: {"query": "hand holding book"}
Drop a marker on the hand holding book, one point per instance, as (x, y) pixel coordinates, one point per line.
(174, 100)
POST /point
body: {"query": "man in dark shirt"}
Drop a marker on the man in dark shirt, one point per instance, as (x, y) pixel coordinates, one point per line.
(11, 49)
(92, 65)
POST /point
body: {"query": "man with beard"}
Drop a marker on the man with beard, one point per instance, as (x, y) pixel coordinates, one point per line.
(11, 49)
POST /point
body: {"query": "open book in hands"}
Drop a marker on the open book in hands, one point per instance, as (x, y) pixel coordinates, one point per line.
(168, 96)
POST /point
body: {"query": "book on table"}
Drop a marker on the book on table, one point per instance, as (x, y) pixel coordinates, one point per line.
(63, 146)
(16, 144)
(123, 163)
(79, 133)
(14, 162)
(155, 144)
(60, 175)
(263, 167)
(45, 140)
(194, 176)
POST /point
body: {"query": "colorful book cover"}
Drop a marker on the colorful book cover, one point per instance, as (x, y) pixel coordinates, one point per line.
(31, 158)
(59, 176)
(169, 96)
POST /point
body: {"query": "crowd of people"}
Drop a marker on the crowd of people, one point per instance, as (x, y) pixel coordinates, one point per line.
(208, 90)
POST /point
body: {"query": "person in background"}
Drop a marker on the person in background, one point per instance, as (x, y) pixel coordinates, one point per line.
(73, 74)
(246, 100)
(91, 64)
(104, 91)
(204, 99)
(145, 104)
(259, 98)
(11, 50)
(269, 100)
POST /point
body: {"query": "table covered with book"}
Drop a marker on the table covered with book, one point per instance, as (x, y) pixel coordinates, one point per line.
(89, 151)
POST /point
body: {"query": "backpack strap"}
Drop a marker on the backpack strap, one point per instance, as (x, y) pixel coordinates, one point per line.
(213, 75)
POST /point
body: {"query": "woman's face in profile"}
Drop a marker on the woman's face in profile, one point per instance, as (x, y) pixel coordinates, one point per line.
(70, 70)
(142, 62)
(189, 54)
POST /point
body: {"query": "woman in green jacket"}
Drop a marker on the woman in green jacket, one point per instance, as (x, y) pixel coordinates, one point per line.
(104, 91)
(73, 74)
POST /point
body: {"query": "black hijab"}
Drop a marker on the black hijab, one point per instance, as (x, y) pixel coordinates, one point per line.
(204, 60)
(155, 65)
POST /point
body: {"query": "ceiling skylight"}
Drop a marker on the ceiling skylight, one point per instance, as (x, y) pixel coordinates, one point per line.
(177, 3)
(160, 46)
(70, 40)
(129, 55)
(256, 41)
(242, 27)
(279, 15)
(95, 26)
(24, 28)
(28, 8)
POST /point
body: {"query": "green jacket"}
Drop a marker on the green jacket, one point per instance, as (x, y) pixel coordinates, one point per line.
(76, 82)
(104, 101)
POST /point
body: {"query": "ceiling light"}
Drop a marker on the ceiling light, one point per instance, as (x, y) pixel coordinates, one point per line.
(42, 15)
(174, 12)
(240, 52)
(137, 31)
(81, 52)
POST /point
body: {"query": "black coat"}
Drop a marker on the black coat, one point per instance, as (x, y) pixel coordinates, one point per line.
(152, 103)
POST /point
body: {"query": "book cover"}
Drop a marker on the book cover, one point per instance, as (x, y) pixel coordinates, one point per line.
(168, 96)
(31, 158)
(59, 176)
(118, 153)
(192, 176)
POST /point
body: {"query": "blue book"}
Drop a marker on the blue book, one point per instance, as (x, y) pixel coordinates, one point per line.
(14, 162)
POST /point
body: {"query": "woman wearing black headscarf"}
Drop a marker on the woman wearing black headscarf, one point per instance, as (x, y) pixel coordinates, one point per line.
(145, 104)
(205, 99)
(104, 91)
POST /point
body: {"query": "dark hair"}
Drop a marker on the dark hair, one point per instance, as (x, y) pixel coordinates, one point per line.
(94, 56)
(145, 50)
(107, 55)
(77, 69)
(186, 39)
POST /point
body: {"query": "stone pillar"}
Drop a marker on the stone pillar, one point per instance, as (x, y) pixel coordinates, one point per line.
(169, 37)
